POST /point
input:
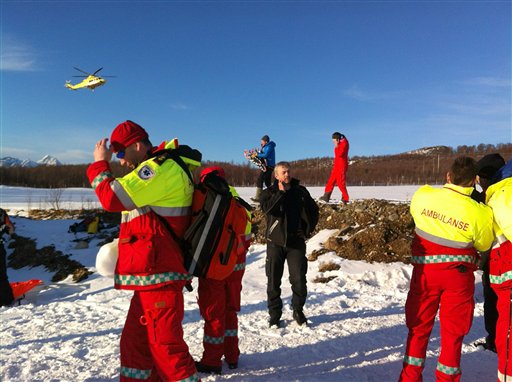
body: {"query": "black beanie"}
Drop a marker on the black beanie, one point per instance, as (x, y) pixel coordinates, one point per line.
(265, 138)
(489, 165)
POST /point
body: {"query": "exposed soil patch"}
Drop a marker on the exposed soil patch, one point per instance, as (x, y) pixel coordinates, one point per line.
(371, 230)
(26, 254)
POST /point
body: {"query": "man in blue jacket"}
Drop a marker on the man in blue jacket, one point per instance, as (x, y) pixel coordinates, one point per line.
(267, 153)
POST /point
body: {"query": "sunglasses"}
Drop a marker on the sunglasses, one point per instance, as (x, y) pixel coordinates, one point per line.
(120, 154)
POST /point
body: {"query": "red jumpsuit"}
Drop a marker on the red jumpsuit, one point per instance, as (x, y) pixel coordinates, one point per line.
(499, 198)
(219, 303)
(450, 228)
(150, 263)
(339, 169)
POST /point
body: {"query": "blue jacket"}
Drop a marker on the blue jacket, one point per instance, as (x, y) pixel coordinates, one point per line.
(503, 173)
(268, 152)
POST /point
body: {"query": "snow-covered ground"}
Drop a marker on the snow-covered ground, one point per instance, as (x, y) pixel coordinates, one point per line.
(356, 326)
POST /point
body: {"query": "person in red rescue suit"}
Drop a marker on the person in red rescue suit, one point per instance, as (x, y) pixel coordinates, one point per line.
(150, 262)
(499, 198)
(450, 230)
(339, 169)
(219, 303)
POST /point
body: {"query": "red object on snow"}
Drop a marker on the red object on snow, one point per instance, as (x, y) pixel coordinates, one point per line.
(21, 287)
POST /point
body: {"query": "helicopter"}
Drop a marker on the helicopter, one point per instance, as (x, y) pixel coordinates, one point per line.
(91, 81)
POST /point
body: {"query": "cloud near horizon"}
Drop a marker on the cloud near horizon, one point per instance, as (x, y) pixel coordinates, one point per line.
(489, 81)
(355, 92)
(16, 56)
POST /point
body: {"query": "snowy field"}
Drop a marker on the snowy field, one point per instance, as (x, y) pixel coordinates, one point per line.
(356, 330)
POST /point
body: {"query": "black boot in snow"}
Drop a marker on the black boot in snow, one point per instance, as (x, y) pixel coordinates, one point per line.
(325, 197)
(299, 317)
(202, 368)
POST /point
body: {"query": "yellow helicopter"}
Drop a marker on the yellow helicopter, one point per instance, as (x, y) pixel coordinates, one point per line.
(91, 81)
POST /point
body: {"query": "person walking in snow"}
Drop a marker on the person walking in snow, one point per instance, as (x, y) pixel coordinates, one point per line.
(292, 216)
(339, 169)
(487, 167)
(219, 304)
(150, 260)
(267, 153)
(450, 229)
(6, 296)
(499, 197)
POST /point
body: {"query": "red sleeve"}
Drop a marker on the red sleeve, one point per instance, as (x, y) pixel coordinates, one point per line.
(100, 176)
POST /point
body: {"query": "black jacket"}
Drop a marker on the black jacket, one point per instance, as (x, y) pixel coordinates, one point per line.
(274, 202)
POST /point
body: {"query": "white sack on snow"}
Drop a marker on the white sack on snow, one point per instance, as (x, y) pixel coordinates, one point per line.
(106, 259)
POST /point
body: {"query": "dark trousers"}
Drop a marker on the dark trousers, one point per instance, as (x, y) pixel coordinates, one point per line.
(6, 297)
(265, 177)
(490, 306)
(295, 256)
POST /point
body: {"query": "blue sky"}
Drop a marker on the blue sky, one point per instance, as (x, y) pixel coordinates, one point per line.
(393, 76)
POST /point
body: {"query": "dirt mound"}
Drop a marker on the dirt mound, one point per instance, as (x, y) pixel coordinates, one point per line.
(26, 254)
(371, 230)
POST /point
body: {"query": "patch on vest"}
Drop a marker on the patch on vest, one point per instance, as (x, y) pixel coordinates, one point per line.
(146, 173)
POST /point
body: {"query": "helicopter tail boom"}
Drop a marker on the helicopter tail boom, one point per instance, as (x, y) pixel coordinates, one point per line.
(69, 86)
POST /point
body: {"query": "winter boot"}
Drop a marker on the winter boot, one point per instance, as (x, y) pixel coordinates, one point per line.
(299, 317)
(325, 197)
(275, 319)
(202, 368)
(258, 194)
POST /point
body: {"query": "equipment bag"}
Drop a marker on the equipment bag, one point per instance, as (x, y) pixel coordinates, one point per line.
(217, 230)
(212, 241)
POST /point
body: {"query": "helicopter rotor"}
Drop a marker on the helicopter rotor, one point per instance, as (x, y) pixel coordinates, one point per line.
(80, 70)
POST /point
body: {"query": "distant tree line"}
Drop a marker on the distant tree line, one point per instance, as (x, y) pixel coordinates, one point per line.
(423, 166)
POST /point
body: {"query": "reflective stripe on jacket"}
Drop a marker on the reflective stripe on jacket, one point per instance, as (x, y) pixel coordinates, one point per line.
(450, 226)
(148, 255)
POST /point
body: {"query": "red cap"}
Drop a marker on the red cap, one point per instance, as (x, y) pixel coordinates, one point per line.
(125, 134)
(207, 170)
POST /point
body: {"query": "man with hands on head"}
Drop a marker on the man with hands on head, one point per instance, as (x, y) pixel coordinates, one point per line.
(150, 260)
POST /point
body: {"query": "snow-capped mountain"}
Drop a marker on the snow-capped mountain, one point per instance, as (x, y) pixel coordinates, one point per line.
(9, 162)
(47, 160)
(431, 150)
(28, 163)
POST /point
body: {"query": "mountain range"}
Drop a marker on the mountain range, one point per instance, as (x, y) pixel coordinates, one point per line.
(47, 160)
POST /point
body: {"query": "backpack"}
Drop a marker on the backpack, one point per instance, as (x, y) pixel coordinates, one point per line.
(217, 231)
(91, 224)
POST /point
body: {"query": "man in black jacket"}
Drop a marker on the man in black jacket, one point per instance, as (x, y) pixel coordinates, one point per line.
(291, 218)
